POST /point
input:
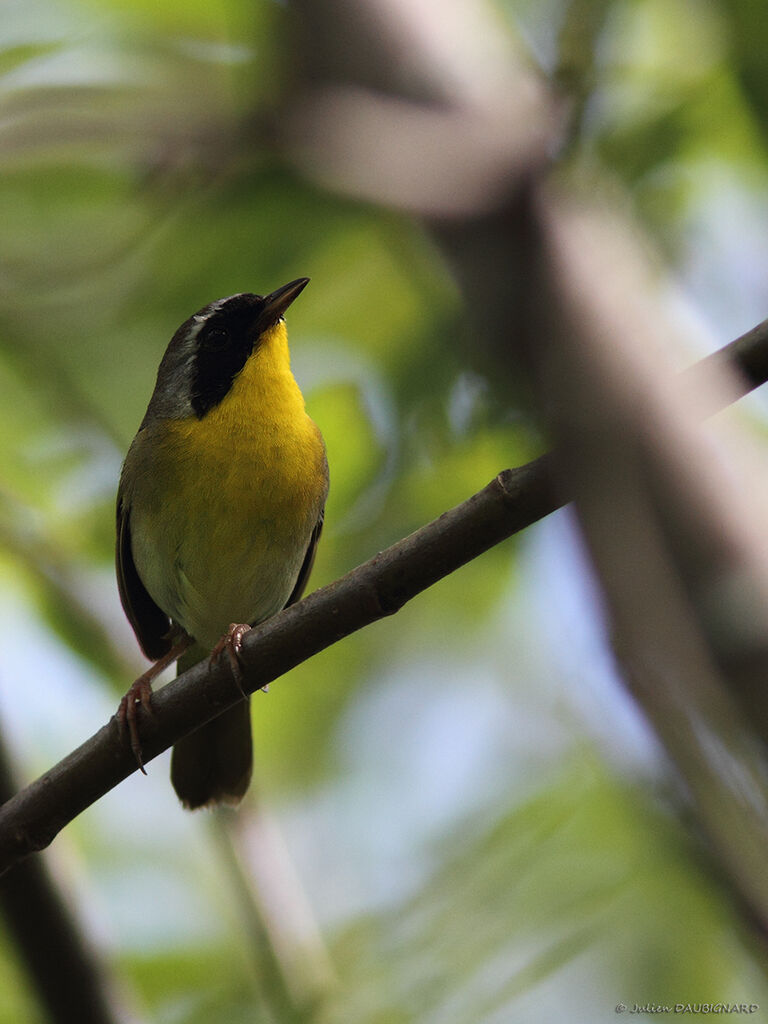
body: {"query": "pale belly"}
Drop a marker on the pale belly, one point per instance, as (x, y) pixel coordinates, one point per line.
(224, 541)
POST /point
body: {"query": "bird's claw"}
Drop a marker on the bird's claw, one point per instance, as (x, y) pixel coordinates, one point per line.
(139, 695)
(232, 643)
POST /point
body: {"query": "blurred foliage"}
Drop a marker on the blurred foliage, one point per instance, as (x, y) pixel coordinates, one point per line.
(470, 850)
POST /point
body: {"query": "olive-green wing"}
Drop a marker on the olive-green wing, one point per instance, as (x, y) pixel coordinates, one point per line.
(309, 560)
(150, 623)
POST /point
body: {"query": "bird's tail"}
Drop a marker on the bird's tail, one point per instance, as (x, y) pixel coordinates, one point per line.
(213, 764)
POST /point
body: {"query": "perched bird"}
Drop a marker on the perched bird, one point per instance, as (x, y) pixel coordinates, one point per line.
(219, 510)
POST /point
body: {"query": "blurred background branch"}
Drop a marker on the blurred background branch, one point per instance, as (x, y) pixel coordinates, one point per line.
(675, 545)
(63, 968)
(289, 956)
(678, 555)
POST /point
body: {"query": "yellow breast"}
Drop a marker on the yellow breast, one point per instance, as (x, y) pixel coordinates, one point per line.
(223, 507)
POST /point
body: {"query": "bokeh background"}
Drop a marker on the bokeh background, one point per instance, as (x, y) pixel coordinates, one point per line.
(458, 814)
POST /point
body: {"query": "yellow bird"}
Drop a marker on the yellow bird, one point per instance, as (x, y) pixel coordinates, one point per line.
(219, 510)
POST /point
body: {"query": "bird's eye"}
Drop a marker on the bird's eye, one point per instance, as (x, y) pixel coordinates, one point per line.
(217, 337)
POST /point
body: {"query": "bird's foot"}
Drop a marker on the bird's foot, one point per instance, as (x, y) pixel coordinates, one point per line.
(139, 696)
(232, 643)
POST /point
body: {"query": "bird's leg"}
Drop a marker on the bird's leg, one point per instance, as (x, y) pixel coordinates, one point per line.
(232, 643)
(139, 695)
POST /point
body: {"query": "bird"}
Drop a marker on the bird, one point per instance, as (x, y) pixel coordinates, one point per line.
(220, 507)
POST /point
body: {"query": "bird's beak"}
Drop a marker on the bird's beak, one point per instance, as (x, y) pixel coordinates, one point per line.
(276, 303)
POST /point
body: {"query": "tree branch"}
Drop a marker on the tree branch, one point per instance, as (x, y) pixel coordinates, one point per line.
(515, 499)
